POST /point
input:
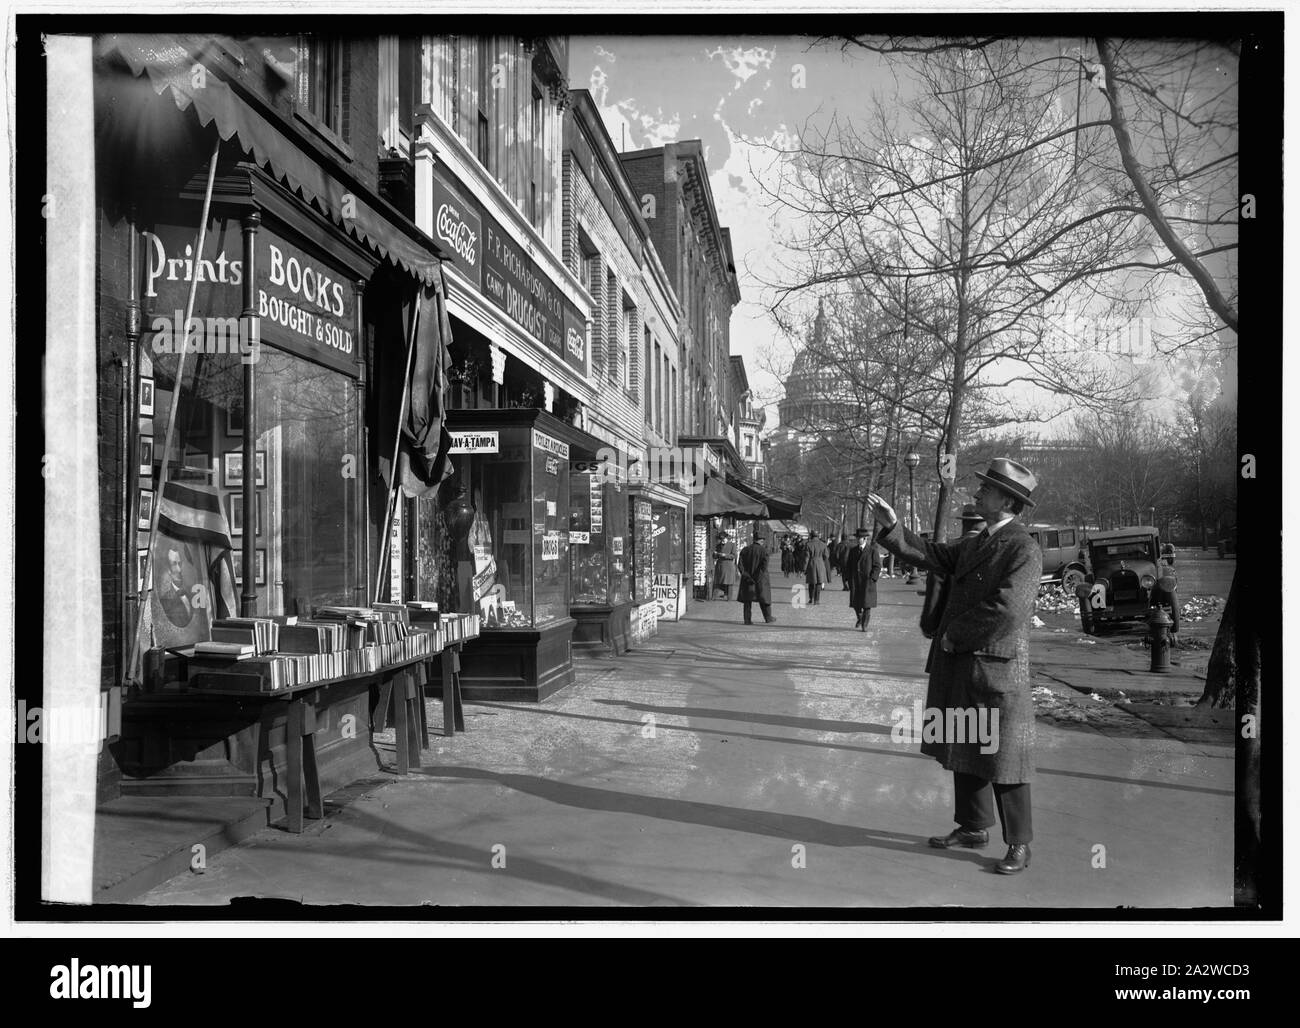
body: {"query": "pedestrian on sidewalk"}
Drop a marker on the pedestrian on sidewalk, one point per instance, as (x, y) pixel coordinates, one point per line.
(755, 586)
(818, 570)
(800, 556)
(862, 571)
(787, 556)
(979, 659)
(724, 565)
(841, 555)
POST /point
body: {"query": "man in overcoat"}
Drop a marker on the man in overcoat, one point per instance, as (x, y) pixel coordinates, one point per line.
(936, 585)
(979, 661)
(818, 569)
(755, 584)
(724, 565)
(862, 571)
(839, 554)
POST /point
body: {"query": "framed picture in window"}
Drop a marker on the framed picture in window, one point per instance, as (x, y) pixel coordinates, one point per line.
(259, 567)
(232, 469)
(145, 518)
(146, 455)
(235, 513)
(146, 397)
(141, 565)
(235, 417)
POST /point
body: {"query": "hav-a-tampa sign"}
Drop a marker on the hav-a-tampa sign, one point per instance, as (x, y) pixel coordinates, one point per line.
(305, 303)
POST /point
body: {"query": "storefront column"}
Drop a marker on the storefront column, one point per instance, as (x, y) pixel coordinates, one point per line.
(360, 470)
(74, 629)
(249, 323)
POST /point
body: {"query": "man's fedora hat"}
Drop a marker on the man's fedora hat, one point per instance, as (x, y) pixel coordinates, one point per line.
(969, 513)
(1012, 478)
(863, 532)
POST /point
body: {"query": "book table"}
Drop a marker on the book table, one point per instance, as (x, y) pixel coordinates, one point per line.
(399, 680)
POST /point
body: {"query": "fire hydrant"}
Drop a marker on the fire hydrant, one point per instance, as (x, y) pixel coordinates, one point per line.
(1159, 623)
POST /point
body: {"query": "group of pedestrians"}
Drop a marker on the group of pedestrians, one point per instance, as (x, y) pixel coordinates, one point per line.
(980, 597)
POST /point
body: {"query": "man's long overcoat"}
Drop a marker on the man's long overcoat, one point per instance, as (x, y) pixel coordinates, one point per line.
(992, 587)
(862, 569)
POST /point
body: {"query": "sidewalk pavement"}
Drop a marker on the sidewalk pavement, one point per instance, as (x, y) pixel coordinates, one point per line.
(725, 765)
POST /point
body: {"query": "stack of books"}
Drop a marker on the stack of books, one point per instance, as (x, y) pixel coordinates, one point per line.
(261, 633)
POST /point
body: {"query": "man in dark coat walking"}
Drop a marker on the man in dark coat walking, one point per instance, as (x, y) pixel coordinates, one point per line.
(861, 572)
(979, 661)
(839, 554)
(755, 586)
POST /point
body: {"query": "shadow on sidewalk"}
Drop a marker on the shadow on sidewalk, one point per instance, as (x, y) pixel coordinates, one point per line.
(792, 827)
(810, 724)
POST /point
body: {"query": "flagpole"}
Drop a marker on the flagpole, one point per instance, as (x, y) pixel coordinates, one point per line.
(397, 446)
(146, 585)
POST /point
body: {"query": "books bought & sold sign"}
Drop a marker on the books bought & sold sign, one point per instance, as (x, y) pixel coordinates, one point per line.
(306, 304)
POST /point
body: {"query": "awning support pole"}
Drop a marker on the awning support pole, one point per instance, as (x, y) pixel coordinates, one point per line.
(171, 413)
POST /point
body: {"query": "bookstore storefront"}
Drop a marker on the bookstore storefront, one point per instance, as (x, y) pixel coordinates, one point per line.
(245, 419)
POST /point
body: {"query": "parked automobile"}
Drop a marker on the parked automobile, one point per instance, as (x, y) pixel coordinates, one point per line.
(1064, 554)
(1130, 574)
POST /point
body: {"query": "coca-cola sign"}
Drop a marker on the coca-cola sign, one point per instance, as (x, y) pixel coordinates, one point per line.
(459, 228)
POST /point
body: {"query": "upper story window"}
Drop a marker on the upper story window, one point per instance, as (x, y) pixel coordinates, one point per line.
(535, 162)
(399, 61)
(322, 76)
(483, 139)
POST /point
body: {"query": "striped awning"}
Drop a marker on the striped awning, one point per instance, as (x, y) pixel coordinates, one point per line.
(169, 62)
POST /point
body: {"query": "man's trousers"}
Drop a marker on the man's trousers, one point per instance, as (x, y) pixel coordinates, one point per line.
(975, 799)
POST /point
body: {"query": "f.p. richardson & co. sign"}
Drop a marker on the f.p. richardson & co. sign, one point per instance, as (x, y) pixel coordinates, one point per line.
(498, 268)
(305, 305)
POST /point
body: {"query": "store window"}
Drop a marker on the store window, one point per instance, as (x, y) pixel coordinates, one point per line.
(598, 550)
(515, 565)
(306, 522)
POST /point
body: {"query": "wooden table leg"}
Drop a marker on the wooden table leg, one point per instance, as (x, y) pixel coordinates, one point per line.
(402, 709)
(310, 769)
(294, 750)
(421, 671)
(455, 691)
(448, 691)
(413, 695)
(379, 717)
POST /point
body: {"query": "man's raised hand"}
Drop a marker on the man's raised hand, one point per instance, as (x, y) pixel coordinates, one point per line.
(881, 510)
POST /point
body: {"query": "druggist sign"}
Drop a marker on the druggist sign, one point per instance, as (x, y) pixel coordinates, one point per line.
(305, 304)
(500, 269)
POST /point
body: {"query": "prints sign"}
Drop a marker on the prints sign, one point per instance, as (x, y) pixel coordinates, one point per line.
(551, 546)
(306, 305)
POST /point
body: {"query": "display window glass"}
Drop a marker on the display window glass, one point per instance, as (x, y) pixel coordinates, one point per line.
(306, 521)
(514, 567)
(598, 554)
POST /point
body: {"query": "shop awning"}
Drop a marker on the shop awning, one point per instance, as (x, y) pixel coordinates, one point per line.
(721, 499)
(778, 506)
(169, 65)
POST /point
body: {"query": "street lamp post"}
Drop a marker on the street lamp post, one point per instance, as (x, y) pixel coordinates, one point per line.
(911, 460)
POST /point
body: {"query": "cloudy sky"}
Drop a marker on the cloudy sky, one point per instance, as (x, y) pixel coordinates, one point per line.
(736, 94)
(742, 96)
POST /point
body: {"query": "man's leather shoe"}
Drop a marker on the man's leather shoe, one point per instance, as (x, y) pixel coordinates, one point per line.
(977, 839)
(1016, 860)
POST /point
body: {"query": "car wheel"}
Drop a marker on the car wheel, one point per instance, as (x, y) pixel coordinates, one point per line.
(1072, 579)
